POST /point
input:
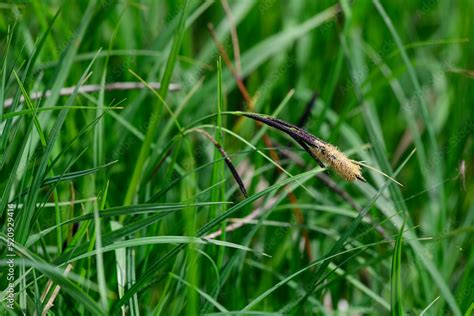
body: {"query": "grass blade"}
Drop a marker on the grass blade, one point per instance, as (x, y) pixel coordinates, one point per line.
(396, 276)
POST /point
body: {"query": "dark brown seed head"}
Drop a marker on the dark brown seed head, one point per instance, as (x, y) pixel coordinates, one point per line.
(320, 150)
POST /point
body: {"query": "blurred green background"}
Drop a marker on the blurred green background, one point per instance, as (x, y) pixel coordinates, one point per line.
(122, 187)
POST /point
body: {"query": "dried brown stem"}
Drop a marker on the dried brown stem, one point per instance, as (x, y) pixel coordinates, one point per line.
(254, 214)
(234, 36)
(53, 296)
(227, 61)
(91, 88)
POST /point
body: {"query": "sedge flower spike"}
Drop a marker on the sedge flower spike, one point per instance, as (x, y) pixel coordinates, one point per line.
(324, 153)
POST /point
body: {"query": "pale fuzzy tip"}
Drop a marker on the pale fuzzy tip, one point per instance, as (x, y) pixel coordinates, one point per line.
(345, 167)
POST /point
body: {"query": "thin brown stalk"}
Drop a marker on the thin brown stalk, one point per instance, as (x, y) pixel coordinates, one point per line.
(53, 296)
(91, 88)
(227, 61)
(234, 36)
(242, 221)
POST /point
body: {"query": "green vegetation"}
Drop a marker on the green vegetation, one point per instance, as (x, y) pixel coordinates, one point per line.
(135, 180)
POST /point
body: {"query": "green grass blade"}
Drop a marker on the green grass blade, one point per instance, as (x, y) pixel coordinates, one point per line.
(152, 270)
(57, 276)
(27, 213)
(202, 293)
(396, 276)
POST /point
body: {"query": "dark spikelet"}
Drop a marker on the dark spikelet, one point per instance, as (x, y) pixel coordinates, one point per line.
(308, 150)
(292, 130)
(227, 160)
(322, 152)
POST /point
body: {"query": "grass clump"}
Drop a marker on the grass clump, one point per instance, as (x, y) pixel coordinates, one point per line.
(145, 170)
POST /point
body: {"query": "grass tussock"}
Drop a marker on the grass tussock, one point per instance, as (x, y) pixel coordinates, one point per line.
(137, 176)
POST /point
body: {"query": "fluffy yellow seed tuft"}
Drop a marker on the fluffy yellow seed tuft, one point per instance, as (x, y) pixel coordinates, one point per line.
(345, 167)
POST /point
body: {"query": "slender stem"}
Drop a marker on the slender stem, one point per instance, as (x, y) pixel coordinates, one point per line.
(91, 88)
